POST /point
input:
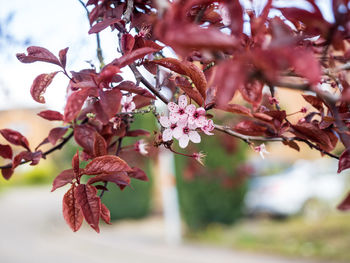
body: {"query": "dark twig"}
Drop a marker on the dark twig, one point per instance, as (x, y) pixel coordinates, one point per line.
(128, 11)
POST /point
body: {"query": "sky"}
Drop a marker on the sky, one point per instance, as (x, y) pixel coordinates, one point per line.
(54, 25)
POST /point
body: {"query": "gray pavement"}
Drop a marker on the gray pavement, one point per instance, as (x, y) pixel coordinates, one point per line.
(32, 230)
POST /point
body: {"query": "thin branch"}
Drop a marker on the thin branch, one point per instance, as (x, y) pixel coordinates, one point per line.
(128, 11)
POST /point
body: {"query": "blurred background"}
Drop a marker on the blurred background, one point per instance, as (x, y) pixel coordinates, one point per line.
(238, 208)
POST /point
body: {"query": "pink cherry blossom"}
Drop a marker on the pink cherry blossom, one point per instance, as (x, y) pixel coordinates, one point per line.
(208, 127)
(127, 104)
(261, 149)
(169, 125)
(199, 157)
(196, 116)
(185, 133)
(141, 147)
(177, 111)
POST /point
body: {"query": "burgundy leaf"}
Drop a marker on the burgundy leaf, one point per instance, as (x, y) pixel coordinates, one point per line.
(39, 86)
(345, 204)
(56, 134)
(105, 214)
(75, 102)
(104, 24)
(38, 54)
(100, 145)
(127, 43)
(34, 157)
(89, 203)
(129, 58)
(76, 164)
(315, 102)
(141, 101)
(65, 177)
(138, 173)
(7, 173)
(131, 87)
(106, 164)
(15, 138)
(71, 210)
(51, 115)
(344, 160)
(306, 64)
(186, 86)
(252, 92)
(136, 133)
(236, 14)
(6, 151)
(121, 179)
(63, 56)
(107, 73)
(110, 101)
(250, 128)
(84, 135)
(235, 108)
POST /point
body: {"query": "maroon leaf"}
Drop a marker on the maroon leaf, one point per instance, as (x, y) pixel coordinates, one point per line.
(76, 164)
(6, 151)
(121, 179)
(345, 204)
(39, 86)
(110, 101)
(71, 210)
(186, 86)
(131, 87)
(100, 145)
(186, 68)
(89, 203)
(63, 56)
(56, 134)
(7, 173)
(106, 164)
(84, 135)
(141, 101)
(235, 108)
(15, 138)
(136, 133)
(107, 73)
(344, 160)
(65, 177)
(306, 64)
(51, 115)
(127, 43)
(315, 102)
(236, 14)
(252, 92)
(38, 54)
(34, 157)
(138, 173)
(250, 128)
(132, 56)
(104, 24)
(75, 102)
(105, 214)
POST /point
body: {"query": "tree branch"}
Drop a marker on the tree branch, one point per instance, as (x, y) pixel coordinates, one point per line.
(128, 11)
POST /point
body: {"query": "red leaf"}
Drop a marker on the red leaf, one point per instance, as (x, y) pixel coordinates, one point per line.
(315, 102)
(106, 164)
(344, 160)
(56, 134)
(250, 128)
(138, 173)
(71, 210)
(186, 68)
(132, 56)
(236, 14)
(110, 101)
(345, 204)
(51, 115)
(6, 151)
(75, 102)
(104, 24)
(252, 92)
(84, 136)
(186, 86)
(7, 173)
(76, 164)
(306, 64)
(100, 145)
(39, 86)
(34, 157)
(141, 101)
(105, 214)
(131, 87)
(107, 73)
(15, 138)
(136, 133)
(127, 43)
(38, 54)
(235, 108)
(121, 179)
(89, 203)
(65, 177)
(63, 56)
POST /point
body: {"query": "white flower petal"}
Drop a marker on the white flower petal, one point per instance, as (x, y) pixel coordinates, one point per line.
(201, 111)
(167, 135)
(174, 117)
(132, 106)
(178, 132)
(201, 121)
(191, 120)
(182, 101)
(194, 136)
(190, 109)
(173, 107)
(183, 141)
(183, 117)
(128, 99)
(164, 121)
(192, 126)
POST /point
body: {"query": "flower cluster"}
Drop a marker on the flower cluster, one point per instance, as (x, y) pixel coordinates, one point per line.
(128, 105)
(183, 122)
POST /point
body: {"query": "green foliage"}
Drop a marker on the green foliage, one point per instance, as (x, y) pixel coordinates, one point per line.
(213, 193)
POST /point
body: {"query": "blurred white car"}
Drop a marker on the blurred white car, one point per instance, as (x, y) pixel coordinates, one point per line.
(305, 187)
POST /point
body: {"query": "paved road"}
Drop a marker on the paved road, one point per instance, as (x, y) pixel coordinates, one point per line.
(32, 230)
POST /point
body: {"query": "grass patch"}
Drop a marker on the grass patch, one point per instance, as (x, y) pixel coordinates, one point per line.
(327, 238)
